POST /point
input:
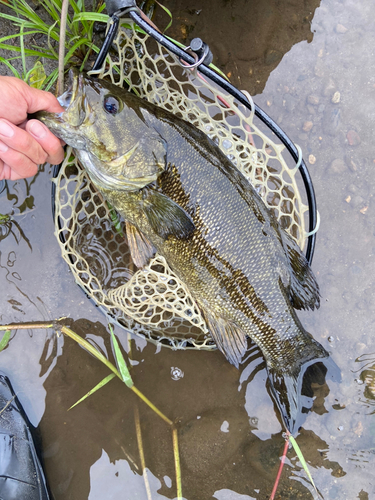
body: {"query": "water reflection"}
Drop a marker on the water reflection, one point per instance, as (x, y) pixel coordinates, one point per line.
(220, 448)
(248, 39)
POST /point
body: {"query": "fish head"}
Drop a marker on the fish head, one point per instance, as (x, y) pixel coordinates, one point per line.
(108, 128)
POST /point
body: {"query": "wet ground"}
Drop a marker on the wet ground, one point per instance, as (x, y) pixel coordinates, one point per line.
(312, 69)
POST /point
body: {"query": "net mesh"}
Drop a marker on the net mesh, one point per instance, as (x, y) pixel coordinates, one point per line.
(152, 301)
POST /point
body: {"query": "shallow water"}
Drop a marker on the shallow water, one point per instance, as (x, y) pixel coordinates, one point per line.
(322, 93)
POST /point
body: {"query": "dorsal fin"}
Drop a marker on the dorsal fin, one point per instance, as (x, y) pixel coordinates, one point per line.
(304, 289)
(295, 271)
(141, 249)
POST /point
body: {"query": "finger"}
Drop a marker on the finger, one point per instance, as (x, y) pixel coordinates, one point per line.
(20, 140)
(16, 165)
(48, 142)
(40, 100)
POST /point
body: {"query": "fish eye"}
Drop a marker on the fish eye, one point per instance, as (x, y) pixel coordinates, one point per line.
(112, 105)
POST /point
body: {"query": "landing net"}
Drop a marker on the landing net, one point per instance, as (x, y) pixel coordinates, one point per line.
(153, 302)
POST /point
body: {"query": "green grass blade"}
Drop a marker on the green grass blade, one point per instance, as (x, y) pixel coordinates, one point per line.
(4, 341)
(82, 41)
(51, 79)
(91, 349)
(28, 52)
(169, 14)
(94, 389)
(121, 363)
(90, 16)
(115, 219)
(16, 35)
(12, 69)
(22, 45)
(301, 459)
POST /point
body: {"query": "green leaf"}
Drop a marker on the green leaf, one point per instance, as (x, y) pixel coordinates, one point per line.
(301, 459)
(123, 369)
(97, 387)
(4, 341)
(37, 76)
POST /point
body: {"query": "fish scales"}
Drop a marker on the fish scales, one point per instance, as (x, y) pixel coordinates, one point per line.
(182, 198)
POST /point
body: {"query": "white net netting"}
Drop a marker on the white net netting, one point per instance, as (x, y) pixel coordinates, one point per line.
(152, 301)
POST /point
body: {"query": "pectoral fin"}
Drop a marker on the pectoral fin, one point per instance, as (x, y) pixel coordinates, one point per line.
(141, 249)
(230, 339)
(166, 217)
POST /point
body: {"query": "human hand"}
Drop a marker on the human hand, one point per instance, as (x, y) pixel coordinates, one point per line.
(25, 144)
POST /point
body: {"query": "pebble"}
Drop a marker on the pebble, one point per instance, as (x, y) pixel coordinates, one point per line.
(273, 56)
(312, 159)
(320, 68)
(329, 87)
(311, 109)
(353, 138)
(331, 121)
(307, 126)
(313, 99)
(351, 163)
(357, 201)
(353, 189)
(361, 347)
(338, 166)
(340, 28)
(336, 97)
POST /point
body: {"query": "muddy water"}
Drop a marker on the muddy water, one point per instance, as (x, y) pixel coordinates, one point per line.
(315, 67)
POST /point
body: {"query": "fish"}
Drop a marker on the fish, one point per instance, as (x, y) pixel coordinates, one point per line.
(182, 198)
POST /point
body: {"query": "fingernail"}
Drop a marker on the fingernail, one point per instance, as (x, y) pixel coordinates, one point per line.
(3, 147)
(5, 129)
(37, 129)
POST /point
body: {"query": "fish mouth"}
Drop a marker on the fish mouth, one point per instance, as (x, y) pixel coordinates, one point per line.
(74, 85)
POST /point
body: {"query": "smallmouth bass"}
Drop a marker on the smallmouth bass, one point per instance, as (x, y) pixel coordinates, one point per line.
(182, 198)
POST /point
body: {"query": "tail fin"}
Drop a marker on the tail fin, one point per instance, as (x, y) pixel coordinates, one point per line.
(288, 386)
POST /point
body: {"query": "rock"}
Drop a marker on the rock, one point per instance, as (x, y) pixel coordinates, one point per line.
(307, 126)
(338, 166)
(329, 87)
(272, 56)
(336, 97)
(321, 108)
(312, 159)
(331, 120)
(313, 99)
(320, 68)
(350, 160)
(353, 138)
(340, 28)
(311, 109)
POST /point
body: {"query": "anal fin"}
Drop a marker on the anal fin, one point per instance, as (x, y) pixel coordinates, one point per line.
(141, 249)
(230, 339)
